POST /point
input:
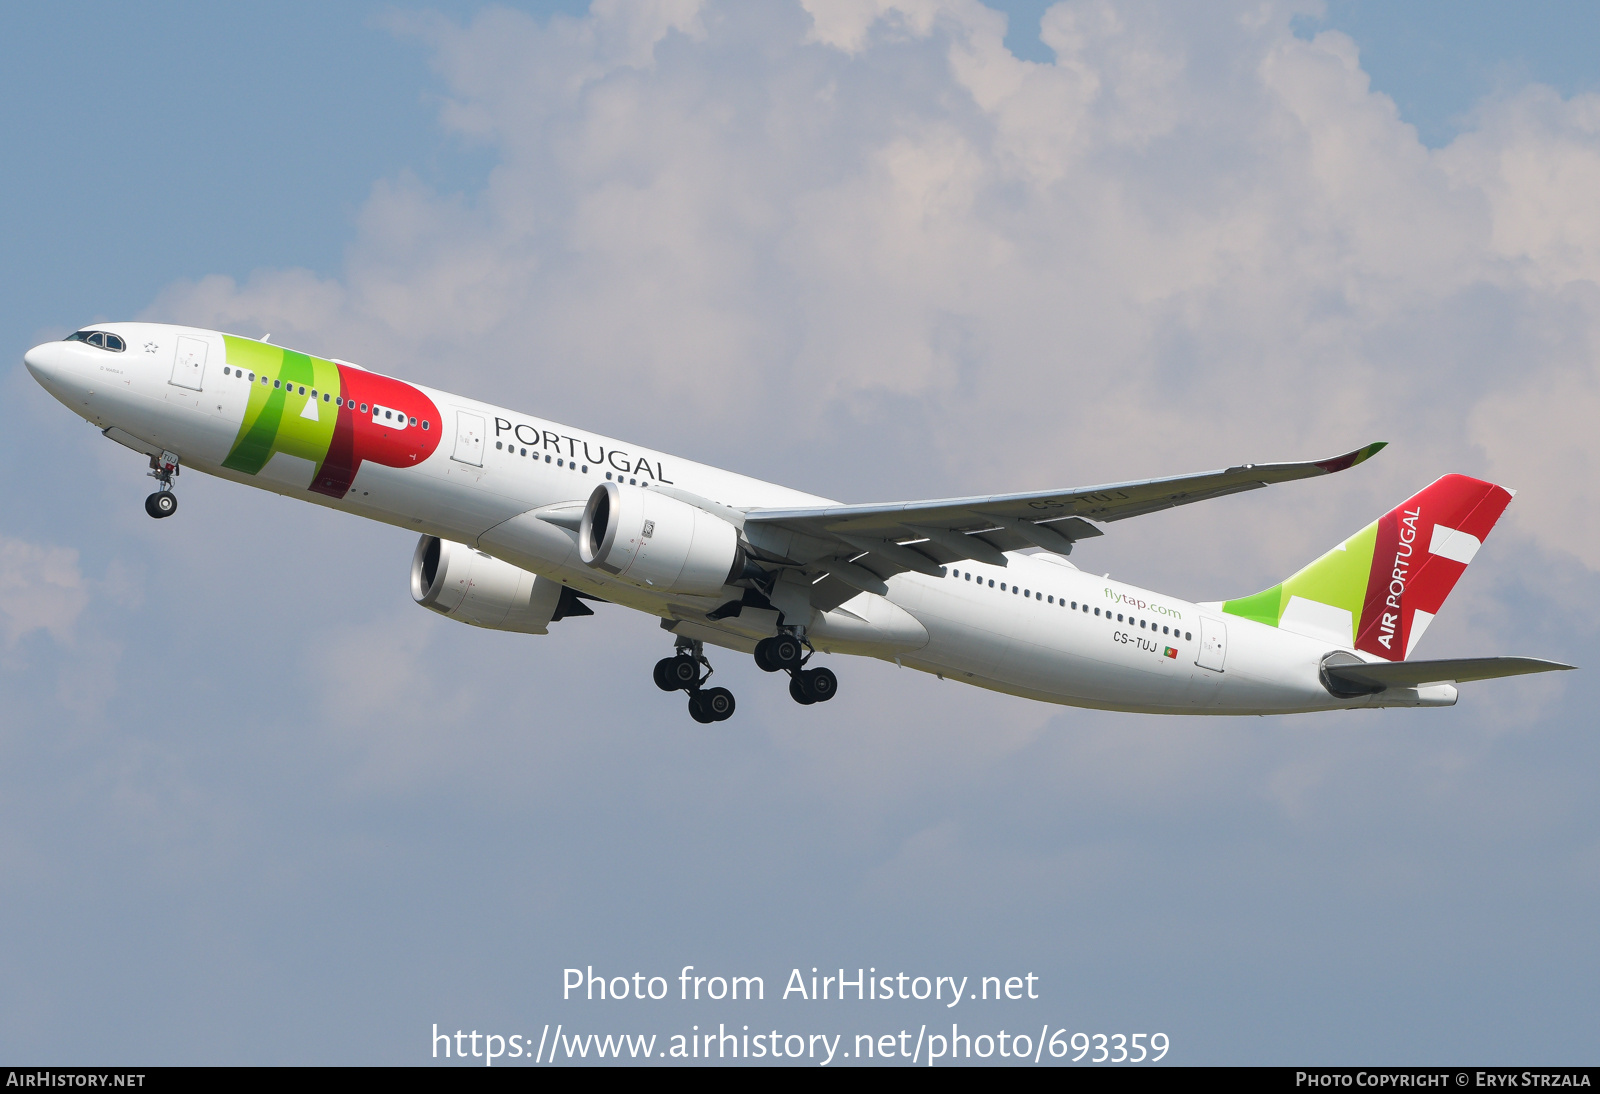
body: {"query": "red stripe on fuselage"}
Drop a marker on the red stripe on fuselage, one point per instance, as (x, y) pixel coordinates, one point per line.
(357, 437)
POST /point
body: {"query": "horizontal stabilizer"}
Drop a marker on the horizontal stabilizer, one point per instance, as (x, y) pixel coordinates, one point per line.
(1415, 674)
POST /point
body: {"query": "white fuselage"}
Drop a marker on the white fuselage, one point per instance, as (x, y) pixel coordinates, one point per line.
(1036, 627)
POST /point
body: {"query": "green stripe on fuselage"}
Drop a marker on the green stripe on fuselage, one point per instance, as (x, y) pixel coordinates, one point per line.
(1338, 579)
(1264, 607)
(274, 419)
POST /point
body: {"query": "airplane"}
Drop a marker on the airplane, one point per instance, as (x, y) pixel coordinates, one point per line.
(525, 522)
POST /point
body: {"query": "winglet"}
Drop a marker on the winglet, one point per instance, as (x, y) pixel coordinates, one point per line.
(1350, 459)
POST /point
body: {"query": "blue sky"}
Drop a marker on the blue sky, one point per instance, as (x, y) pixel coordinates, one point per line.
(256, 806)
(306, 106)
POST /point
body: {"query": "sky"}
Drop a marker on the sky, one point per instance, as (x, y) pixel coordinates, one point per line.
(257, 807)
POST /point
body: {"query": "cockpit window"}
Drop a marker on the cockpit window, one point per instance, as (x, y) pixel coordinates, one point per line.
(100, 338)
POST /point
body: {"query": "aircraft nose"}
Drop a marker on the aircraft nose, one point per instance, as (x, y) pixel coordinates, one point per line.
(44, 361)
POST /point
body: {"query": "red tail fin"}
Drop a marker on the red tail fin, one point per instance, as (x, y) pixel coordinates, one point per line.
(1422, 548)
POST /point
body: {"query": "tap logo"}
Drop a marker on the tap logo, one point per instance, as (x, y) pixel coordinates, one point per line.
(333, 415)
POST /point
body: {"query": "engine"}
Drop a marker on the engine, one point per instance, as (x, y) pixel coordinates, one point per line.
(649, 539)
(471, 587)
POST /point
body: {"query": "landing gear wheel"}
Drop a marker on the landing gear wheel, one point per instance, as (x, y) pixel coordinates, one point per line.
(820, 684)
(663, 674)
(682, 672)
(798, 691)
(163, 503)
(699, 709)
(718, 702)
(783, 651)
(763, 658)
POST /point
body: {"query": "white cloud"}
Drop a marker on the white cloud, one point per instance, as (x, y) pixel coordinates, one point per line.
(842, 232)
(41, 589)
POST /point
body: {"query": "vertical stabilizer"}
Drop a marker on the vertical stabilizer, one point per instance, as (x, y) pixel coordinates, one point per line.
(1378, 590)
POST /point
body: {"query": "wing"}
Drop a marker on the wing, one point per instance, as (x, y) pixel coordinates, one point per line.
(861, 545)
(1415, 674)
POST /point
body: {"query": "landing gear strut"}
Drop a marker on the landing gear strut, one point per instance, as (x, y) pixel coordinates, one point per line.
(788, 653)
(163, 503)
(682, 672)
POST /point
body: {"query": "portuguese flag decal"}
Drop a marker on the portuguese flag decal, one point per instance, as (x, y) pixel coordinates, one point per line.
(1171, 652)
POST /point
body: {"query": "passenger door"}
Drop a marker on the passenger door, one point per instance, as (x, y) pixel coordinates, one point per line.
(189, 365)
(469, 439)
(1213, 643)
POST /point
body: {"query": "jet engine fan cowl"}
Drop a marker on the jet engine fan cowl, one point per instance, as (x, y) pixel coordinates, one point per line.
(657, 542)
(471, 587)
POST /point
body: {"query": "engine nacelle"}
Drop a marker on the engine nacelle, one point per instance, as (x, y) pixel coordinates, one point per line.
(472, 587)
(658, 542)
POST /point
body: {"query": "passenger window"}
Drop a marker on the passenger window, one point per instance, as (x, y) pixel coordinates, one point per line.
(302, 391)
(252, 377)
(413, 421)
(991, 583)
(969, 575)
(363, 408)
(1186, 636)
(560, 463)
(226, 371)
(497, 444)
(277, 383)
(1050, 600)
(1097, 611)
(1119, 617)
(424, 423)
(326, 397)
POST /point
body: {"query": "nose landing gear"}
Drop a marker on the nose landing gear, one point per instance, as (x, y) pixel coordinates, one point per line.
(163, 503)
(682, 672)
(789, 653)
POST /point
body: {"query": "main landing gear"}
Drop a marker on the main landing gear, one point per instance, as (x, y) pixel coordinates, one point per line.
(788, 653)
(163, 503)
(682, 672)
(688, 670)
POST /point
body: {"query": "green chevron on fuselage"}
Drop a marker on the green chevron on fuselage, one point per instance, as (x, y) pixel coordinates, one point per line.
(290, 408)
(1338, 579)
